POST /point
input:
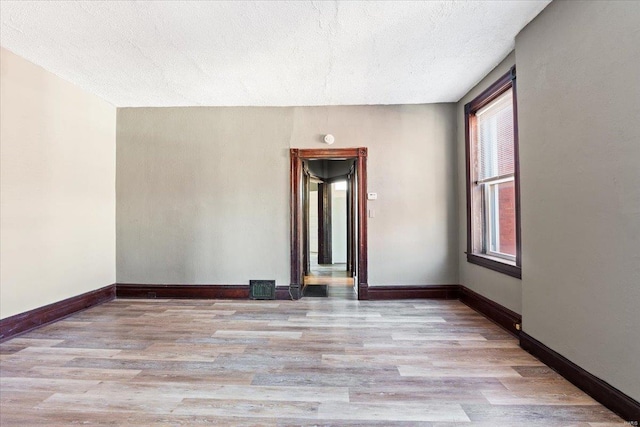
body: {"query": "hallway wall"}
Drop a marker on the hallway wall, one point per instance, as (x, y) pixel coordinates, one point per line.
(338, 225)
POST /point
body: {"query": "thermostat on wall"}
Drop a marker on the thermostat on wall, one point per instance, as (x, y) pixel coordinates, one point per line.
(372, 196)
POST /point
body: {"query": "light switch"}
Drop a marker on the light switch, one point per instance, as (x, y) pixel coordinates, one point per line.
(372, 196)
(372, 213)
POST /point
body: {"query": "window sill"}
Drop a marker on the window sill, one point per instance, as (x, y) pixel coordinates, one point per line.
(500, 265)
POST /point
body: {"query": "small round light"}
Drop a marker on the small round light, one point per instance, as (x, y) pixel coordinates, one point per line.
(329, 139)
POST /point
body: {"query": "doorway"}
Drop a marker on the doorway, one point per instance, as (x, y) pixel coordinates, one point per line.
(319, 180)
(329, 236)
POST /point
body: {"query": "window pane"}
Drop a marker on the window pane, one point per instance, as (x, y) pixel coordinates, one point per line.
(495, 137)
(501, 213)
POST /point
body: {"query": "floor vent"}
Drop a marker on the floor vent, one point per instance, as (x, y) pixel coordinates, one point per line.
(262, 289)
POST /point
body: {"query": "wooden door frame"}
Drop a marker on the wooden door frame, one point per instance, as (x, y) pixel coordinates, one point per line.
(297, 196)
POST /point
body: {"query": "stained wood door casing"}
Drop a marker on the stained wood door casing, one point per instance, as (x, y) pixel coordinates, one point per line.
(297, 196)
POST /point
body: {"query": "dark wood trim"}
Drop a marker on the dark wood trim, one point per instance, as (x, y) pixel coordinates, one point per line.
(499, 314)
(41, 316)
(496, 89)
(328, 153)
(509, 320)
(625, 406)
(516, 180)
(504, 83)
(296, 291)
(135, 290)
(499, 266)
(351, 226)
(296, 224)
(413, 292)
(467, 158)
(282, 293)
(363, 244)
(306, 259)
(296, 157)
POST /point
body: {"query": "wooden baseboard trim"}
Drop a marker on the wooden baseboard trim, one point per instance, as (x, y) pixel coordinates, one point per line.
(497, 313)
(492, 310)
(609, 396)
(150, 291)
(413, 292)
(41, 316)
(282, 293)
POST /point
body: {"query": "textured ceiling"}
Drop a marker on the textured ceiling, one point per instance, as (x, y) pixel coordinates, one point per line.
(267, 53)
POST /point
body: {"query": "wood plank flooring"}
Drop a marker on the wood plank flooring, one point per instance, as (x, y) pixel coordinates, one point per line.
(317, 361)
(329, 274)
(328, 280)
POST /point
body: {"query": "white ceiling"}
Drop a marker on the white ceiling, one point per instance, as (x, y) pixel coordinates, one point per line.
(267, 53)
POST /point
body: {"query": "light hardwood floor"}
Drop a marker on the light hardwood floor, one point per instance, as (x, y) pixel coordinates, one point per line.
(328, 274)
(316, 361)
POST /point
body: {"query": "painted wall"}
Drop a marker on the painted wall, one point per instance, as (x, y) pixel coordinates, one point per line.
(338, 225)
(203, 193)
(503, 289)
(411, 162)
(313, 219)
(579, 109)
(57, 188)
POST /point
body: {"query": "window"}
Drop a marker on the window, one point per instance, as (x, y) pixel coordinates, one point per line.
(493, 191)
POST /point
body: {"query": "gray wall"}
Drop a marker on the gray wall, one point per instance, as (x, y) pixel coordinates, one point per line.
(411, 165)
(578, 106)
(203, 193)
(338, 225)
(57, 192)
(313, 218)
(498, 287)
(579, 110)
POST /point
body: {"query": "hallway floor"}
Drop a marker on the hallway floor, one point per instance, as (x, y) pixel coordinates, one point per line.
(311, 362)
(328, 274)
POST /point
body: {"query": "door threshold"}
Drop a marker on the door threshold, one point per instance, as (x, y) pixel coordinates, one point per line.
(331, 281)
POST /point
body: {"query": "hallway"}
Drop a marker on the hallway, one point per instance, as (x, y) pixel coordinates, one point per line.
(329, 280)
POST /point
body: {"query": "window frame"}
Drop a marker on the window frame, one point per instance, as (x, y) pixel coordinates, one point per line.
(485, 258)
